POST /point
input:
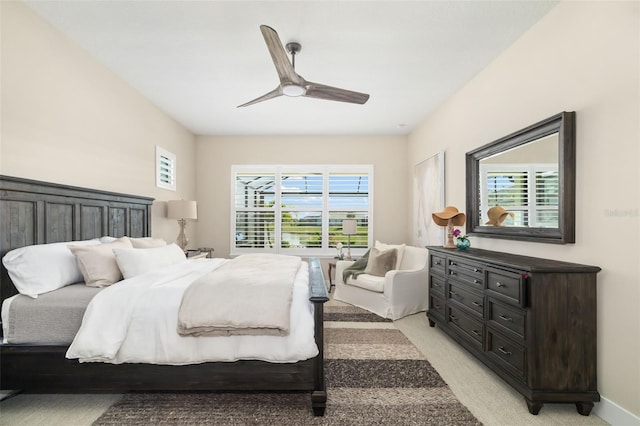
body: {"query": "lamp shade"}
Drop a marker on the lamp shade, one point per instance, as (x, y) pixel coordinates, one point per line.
(349, 227)
(182, 209)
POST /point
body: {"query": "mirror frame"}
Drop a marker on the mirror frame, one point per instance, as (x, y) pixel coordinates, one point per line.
(563, 124)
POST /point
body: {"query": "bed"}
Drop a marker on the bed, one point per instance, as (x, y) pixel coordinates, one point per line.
(34, 212)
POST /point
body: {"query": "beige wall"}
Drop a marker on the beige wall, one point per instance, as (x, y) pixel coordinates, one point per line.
(583, 57)
(68, 119)
(216, 155)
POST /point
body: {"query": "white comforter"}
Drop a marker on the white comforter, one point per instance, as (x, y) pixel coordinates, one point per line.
(135, 320)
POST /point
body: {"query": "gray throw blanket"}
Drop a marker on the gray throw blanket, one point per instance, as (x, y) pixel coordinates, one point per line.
(356, 269)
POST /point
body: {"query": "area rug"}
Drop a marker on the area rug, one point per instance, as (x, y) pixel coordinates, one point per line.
(374, 376)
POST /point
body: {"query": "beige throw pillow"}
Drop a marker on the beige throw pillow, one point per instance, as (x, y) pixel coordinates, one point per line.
(381, 262)
(399, 247)
(98, 263)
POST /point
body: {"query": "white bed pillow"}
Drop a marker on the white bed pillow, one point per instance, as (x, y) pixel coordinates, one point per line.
(133, 262)
(44, 267)
(98, 263)
(147, 242)
(399, 247)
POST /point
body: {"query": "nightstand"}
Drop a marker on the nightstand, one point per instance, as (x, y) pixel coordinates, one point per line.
(197, 254)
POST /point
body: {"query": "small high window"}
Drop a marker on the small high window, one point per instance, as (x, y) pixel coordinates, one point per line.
(165, 169)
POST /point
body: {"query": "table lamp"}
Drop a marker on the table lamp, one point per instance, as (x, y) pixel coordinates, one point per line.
(182, 210)
(349, 228)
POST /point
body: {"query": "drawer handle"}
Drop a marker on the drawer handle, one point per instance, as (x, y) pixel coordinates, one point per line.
(476, 281)
(435, 285)
(436, 306)
(474, 303)
(437, 263)
(502, 317)
(504, 351)
(452, 263)
(499, 284)
(453, 293)
(476, 270)
(476, 332)
(452, 273)
(453, 318)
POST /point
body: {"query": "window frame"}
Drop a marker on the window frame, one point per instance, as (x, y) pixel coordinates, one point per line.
(171, 157)
(325, 251)
(530, 170)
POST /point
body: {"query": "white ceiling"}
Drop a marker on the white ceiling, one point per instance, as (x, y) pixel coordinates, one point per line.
(198, 60)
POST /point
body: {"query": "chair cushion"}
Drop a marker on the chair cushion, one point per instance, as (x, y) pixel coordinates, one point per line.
(380, 261)
(368, 282)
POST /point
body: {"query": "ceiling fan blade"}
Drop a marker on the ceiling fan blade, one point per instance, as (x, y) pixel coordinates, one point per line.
(272, 94)
(280, 59)
(321, 91)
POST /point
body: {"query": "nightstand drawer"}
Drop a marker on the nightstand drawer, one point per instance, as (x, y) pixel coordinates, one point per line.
(196, 255)
(506, 285)
(506, 353)
(437, 263)
(471, 300)
(508, 318)
(436, 285)
(466, 325)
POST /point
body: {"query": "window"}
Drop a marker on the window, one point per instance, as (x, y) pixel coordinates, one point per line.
(165, 169)
(299, 209)
(530, 191)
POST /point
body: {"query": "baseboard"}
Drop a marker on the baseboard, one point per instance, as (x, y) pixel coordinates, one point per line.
(614, 414)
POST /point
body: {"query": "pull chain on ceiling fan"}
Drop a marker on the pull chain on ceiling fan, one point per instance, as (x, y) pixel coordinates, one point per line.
(292, 84)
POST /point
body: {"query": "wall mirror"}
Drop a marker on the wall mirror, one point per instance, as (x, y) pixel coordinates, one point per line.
(522, 186)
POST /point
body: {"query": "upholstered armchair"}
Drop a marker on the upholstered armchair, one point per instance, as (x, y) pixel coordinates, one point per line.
(401, 292)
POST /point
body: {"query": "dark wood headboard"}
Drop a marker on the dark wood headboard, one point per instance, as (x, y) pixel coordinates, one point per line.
(34, 212)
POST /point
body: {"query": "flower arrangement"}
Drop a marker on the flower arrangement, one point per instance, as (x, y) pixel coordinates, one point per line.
(462, 241)
(340, 255)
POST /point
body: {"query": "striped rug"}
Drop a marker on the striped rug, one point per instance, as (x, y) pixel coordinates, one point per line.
(374, 375)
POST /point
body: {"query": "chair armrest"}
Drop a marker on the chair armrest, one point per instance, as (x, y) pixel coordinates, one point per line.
(406, 278)
(341, 265)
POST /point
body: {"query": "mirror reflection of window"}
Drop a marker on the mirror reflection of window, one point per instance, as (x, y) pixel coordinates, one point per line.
(524, 181)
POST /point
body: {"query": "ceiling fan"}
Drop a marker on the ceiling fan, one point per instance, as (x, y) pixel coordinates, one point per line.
(291, 84)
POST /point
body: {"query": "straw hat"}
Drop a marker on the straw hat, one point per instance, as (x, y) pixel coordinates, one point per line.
(449, 212)
(497, 215)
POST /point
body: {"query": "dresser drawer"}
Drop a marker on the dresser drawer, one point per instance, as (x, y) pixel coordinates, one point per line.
(437, 306)
(437, 263)
(436, 285)
(506, 317)
(506, 353)
(470, 280)
(470, 299)
(467, 326)
(506, 285)
(462, 266)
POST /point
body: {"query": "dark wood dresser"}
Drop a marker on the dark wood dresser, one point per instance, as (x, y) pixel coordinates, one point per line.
(532, 321)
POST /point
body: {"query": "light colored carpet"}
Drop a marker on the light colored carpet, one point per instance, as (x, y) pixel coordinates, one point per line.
(489, 399)
(487, 396)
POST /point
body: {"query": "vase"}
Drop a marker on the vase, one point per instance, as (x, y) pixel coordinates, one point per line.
(463, 243)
